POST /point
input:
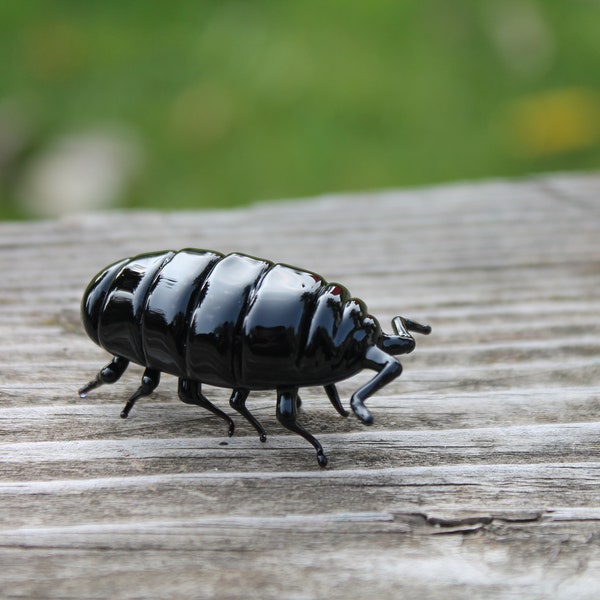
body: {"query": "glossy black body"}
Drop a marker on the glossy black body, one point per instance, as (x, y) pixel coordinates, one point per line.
(238, 322)
(229, 321)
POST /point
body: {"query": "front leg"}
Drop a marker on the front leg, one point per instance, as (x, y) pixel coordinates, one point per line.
(387, 367)
(334, 398)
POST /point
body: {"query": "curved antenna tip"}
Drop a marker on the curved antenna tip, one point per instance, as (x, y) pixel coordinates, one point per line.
(402, 325)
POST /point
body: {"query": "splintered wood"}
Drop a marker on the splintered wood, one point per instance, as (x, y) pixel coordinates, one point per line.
(480, 476)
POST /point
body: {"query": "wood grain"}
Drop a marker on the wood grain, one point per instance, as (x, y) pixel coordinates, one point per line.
(479, 478)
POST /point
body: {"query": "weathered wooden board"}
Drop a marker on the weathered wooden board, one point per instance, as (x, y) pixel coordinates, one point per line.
(479, 478)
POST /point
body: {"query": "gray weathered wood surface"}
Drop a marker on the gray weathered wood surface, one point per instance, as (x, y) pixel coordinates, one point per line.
(479, 478)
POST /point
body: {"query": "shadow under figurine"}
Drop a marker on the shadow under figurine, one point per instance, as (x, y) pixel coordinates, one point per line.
(239, 322)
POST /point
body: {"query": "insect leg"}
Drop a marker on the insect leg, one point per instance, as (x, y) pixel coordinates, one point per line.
(150, 381)
(387, 367)
(238, 402)
(334, 398)
(108, 374)
(287, 411)
(190, 392)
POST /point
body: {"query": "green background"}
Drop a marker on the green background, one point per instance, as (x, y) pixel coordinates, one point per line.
(233, 102)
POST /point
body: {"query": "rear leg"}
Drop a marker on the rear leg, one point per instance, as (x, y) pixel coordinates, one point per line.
(109, 374)
(287, 412)
(150, 381)
(238, 402)
(190, 392)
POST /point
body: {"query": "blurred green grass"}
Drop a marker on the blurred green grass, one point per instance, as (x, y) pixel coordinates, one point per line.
(233, 102)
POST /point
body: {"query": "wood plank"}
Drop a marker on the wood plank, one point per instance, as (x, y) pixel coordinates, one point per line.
(479, 477)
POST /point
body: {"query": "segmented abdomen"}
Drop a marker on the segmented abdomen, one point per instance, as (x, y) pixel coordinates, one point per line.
(231, 321)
